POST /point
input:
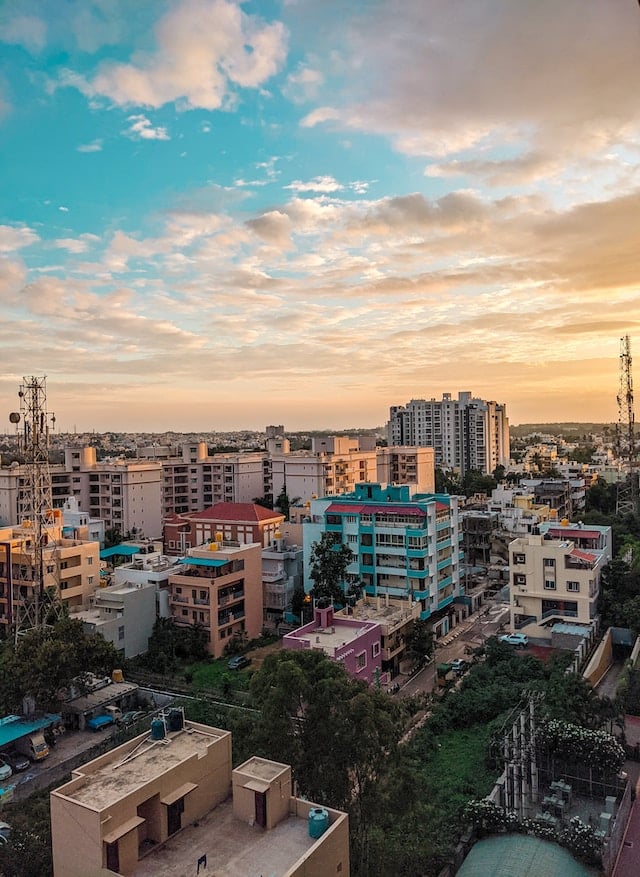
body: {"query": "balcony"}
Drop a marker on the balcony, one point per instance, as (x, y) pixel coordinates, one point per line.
(272, 575)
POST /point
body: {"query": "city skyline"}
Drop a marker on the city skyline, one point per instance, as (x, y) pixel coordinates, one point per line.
(217, 215)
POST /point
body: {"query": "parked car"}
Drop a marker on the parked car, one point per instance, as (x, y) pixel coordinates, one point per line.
(519, 640)
(5, 770)
(98, 723)
(5, 831)
(458, 665)
(238, 662)
(15, 760)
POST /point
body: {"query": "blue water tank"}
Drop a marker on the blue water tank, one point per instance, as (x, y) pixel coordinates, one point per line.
(157, 729)
(318, 821)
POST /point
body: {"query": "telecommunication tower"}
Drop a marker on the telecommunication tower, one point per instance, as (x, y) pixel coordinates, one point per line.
(35, 600)
(627, 498)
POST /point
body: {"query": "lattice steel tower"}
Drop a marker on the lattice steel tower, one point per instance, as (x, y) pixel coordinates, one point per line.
(627, 498)
(35, 586)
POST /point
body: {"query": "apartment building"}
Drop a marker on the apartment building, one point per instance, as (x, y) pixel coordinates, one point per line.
(169, 802)
(409, 548)
(465, 433)
(245, 523)
(219, 588)
(123, 614)
(124, 494)
(555, 576)
(353, 642)
(282, 567)
(70, 566)
(336, 464)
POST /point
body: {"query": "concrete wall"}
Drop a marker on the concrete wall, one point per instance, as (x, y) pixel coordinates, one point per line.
(601, 660)
(330, 853)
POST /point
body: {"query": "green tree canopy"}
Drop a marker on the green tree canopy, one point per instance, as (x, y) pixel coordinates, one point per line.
(45, 661)
(329, 562)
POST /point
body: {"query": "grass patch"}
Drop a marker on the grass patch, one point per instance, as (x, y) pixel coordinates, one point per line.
(215, 675)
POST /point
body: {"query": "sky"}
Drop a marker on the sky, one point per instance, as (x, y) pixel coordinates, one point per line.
(218, 215)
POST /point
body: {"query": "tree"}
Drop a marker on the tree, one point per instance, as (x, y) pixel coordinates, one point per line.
(46, 660)
(337, 734)
(283, 503)
(420, 641)
(329, 562)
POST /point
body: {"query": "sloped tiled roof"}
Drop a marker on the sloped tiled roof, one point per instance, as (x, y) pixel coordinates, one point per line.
(247, 512)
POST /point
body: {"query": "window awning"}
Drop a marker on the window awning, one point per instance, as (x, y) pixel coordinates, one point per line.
(203, 561)
(178, 793)
(123, 829)
(257, 786)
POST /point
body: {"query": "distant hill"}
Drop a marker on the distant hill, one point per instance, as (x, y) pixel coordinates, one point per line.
(563, 429)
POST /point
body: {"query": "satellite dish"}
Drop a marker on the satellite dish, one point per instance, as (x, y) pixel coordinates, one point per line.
(14, 417)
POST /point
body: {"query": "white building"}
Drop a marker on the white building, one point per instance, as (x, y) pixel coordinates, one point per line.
(124, 615)
(465, 433)
(555, 576)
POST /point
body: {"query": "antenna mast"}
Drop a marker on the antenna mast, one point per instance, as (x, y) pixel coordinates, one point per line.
(35, 588)
(627, 499)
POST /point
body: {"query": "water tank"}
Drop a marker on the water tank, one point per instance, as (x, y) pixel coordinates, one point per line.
(175, 719)
(117, 676)
(318, 821)
(157, 729)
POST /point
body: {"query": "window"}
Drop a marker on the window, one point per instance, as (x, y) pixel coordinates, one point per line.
(519, 558)
(549, 585)
(375, 650)
(549, 561)
(121, 632)
(573, 586)
(361, 661)
(89, 561)
(519, 579)
(185, 611)
(89, 580)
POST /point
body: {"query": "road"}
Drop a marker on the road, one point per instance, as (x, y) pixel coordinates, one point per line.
(471, 634)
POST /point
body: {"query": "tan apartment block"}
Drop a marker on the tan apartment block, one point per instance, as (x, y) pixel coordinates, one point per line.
(220, 589)
(167, 803)
(71, 566)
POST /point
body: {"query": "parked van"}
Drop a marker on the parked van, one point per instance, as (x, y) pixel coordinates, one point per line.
(34, 746)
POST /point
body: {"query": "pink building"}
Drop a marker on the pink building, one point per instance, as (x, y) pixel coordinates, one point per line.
(350, 641)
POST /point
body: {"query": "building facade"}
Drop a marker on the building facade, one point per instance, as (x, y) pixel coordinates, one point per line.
(555, 576)
(168, 802)
(409, 548)
(245, 523)
(465, 433)
(71, 567)
(220, 589)
(353, 642)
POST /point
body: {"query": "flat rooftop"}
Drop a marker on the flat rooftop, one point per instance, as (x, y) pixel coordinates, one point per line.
(233, 848)
(328, 639)
(135, 765)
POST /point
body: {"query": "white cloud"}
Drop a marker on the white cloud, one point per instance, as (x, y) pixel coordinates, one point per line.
(63, 209)
(14, 238)
(142, 129)
(71, 245)
(24, 30)
(303, 84)
(94, 146)
(203, 47)
(317, 184)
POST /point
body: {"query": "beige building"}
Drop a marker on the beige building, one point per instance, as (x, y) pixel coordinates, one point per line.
(555, 577)
(169, 803)
(70, 566)
(221, 590)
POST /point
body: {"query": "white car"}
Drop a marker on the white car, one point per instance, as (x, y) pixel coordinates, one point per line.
(5, 770)
(519, 640)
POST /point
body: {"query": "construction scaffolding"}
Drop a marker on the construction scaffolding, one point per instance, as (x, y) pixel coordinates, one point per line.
(32, 564)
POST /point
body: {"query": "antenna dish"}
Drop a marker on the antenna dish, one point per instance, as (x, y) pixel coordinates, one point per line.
(14, 417)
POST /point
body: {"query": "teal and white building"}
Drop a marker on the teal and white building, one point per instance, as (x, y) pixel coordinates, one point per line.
(406, 547)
